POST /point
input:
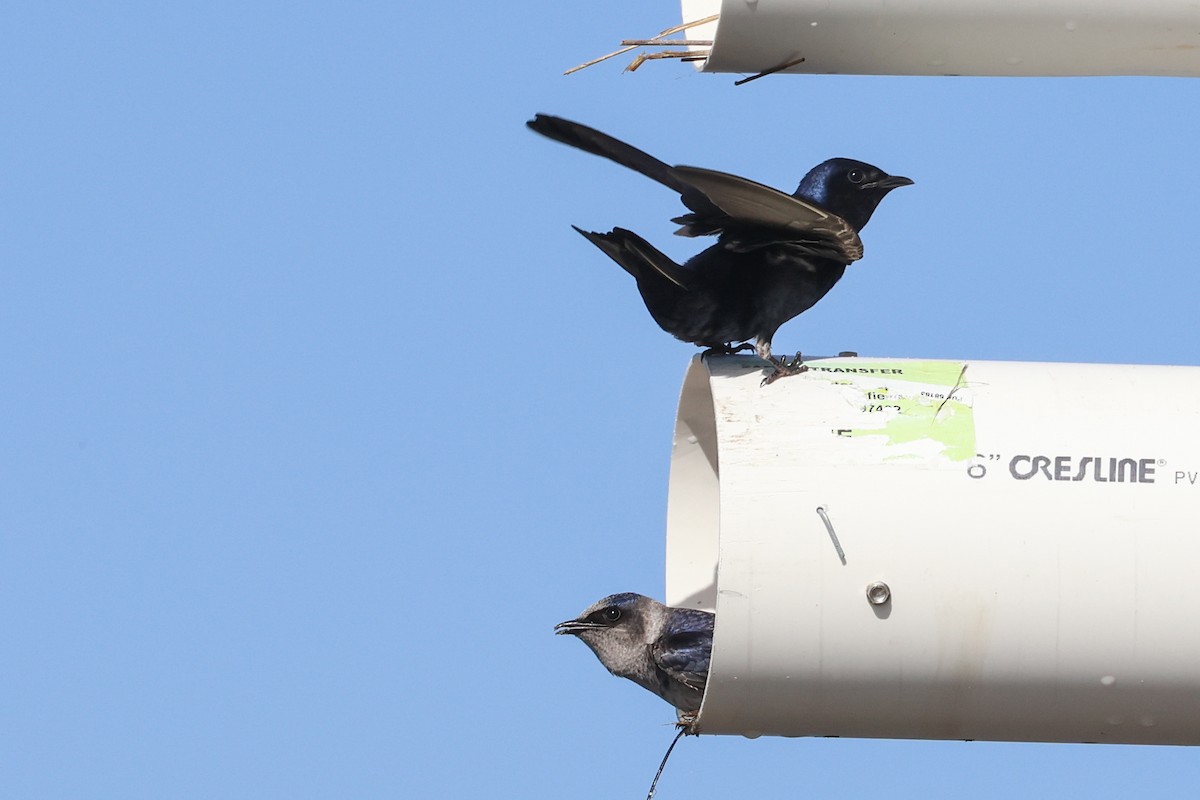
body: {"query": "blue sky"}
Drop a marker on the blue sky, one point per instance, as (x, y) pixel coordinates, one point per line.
(318, 416)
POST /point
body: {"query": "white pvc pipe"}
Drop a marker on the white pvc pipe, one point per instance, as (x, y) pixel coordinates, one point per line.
(952, 37)
(1036, 525)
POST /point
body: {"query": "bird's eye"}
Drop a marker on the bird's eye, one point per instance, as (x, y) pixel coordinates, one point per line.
(855, 176)
(612, 614)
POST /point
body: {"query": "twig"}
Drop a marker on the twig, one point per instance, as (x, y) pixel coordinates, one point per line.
(694, 23)
(667, 42)
(601, 58)
(685, 55)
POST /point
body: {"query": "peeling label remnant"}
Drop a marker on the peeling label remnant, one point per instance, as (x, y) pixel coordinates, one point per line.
(923, 410)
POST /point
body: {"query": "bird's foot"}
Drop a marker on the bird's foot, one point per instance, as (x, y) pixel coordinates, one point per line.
(784, 368)
(725, 349)
(687, 722)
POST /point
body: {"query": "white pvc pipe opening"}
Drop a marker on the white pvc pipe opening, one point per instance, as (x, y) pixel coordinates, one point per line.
(951, 37)
(1037, 527)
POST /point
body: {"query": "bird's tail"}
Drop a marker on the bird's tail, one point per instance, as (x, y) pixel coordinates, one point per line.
(636, 256)
(601, 144)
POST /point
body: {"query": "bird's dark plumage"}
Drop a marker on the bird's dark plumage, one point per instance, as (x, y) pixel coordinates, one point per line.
(663, 649)
(776, 255)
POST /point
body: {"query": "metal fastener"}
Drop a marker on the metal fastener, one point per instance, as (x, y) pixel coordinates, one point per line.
(878, 593)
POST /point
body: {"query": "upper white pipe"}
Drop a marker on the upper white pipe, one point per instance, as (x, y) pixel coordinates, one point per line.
(952, 37)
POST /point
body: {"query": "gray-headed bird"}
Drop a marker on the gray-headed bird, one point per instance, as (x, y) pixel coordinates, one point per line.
(663, 649)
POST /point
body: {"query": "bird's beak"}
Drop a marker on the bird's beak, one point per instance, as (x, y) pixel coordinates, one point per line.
(890, 182)
(574, 627)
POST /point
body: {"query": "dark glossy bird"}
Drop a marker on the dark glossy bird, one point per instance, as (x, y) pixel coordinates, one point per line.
(663, 649)
(776, 254)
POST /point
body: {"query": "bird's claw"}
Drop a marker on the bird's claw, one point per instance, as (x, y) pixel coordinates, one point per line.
(725, 349)
(687, 722)
(784, 368)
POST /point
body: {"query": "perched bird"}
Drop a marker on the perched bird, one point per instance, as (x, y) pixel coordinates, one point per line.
(776, 255)
(663, 649)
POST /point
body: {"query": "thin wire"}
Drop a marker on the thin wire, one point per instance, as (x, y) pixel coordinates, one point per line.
(657, 775)
(770, 71)
(833, 536)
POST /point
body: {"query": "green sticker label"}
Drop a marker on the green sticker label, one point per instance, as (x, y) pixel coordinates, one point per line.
(919, 408)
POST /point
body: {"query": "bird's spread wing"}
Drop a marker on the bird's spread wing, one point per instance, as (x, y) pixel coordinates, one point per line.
(746, 214)
(601, 144)
(753, 205)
